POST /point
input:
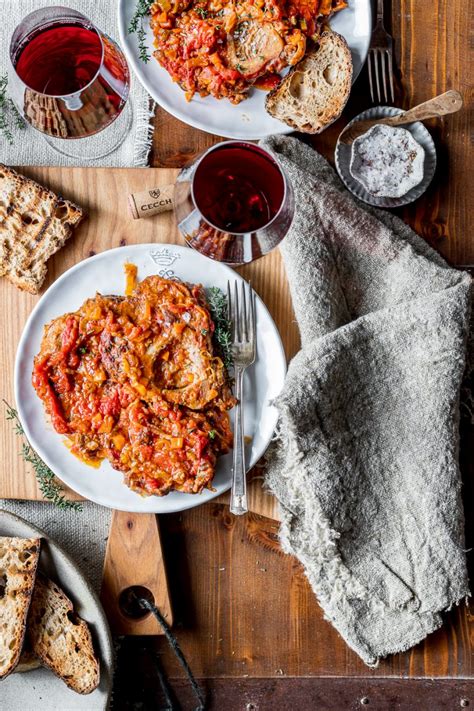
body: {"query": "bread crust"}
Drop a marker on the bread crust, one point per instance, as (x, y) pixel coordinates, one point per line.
(34, 224)
(313, 117)
(60, 638)
(18, 565)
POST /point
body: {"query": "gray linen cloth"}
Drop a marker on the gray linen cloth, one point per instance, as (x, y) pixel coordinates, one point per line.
(365, 466)
(82, 534)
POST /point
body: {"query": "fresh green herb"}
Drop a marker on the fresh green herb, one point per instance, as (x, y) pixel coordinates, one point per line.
(222, 333)
(9, 116)
(202, 12)
(204, 331)
(82, 350)
(212, 434)
(48, 484)
(142, 10)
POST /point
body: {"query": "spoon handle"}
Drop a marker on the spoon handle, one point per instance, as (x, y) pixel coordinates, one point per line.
(447, 103)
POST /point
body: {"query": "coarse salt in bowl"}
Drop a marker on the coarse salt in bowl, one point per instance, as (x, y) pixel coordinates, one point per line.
(387, 161)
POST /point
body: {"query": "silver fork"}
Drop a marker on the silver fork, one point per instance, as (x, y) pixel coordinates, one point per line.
(244, 339)
(380, 61)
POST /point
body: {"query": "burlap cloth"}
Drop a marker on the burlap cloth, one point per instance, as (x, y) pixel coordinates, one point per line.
(366, 465)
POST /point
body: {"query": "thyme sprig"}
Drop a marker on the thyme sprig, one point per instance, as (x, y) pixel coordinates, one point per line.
(142, 10)
(222, 336)
(48, 484)
(9, 116)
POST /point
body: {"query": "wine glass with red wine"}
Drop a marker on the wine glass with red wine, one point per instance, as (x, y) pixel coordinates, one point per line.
(234, 203)
(70, 81)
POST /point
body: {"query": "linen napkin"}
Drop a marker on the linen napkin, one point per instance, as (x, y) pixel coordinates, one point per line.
(28, 146)
(365, 466)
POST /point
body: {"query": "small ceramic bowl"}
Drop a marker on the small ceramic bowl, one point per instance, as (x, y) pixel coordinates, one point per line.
(421, 135)
(387, 161)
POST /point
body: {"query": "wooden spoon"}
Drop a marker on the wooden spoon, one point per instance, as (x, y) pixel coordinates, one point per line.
(447, 103)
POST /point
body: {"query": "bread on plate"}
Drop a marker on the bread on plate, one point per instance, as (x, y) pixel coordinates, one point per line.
(18, 563)
(60, 638)
(315, 91)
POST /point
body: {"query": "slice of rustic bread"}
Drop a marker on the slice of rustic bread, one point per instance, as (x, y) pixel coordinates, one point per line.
(314, 93)
(34, 224)
(18, 563)
(61, 640)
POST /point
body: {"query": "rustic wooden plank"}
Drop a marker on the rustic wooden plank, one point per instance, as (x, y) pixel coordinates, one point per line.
(134, 558)
(175, 143)
(303, 694)
(433, 54)
(241, 607)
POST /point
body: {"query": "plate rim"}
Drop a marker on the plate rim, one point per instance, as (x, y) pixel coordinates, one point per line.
(181, 114)
(108, 662)
(186, 503)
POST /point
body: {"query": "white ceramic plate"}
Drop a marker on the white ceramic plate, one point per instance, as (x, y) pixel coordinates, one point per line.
(40, 689)
(419, 132)
(104, 272)
(248, 120)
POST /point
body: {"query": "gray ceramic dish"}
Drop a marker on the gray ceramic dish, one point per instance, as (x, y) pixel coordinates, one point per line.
(419, 133)
(40, 689)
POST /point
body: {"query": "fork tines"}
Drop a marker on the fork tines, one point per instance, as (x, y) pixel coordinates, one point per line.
(241, 311)
(380, 69)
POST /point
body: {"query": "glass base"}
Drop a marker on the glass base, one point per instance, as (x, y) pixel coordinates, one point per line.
(99, 145)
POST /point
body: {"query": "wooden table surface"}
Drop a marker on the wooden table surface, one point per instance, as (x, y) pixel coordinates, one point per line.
(244, 613)
(246, 617)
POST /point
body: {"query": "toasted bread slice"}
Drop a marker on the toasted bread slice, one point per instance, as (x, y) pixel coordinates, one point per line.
(18, 563)
(34, 224)
(314, 93)
(61, 640)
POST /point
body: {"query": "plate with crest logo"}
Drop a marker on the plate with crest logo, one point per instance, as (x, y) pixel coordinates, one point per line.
(105, 273)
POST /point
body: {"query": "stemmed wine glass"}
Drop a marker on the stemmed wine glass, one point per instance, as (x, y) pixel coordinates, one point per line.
(70, 81)
(234, 203)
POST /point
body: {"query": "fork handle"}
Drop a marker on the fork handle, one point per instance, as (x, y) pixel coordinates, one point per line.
(380, 11)
(238, 500)
(447, 103)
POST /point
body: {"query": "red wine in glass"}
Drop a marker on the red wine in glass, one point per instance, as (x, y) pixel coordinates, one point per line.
(234, 203)
(60, 60)
(70, 80)
(238, 188)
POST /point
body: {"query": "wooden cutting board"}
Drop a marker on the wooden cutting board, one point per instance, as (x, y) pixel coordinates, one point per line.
(103, 193)
(134, 555)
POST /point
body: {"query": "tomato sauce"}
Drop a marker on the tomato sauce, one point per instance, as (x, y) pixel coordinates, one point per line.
(134, 380)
